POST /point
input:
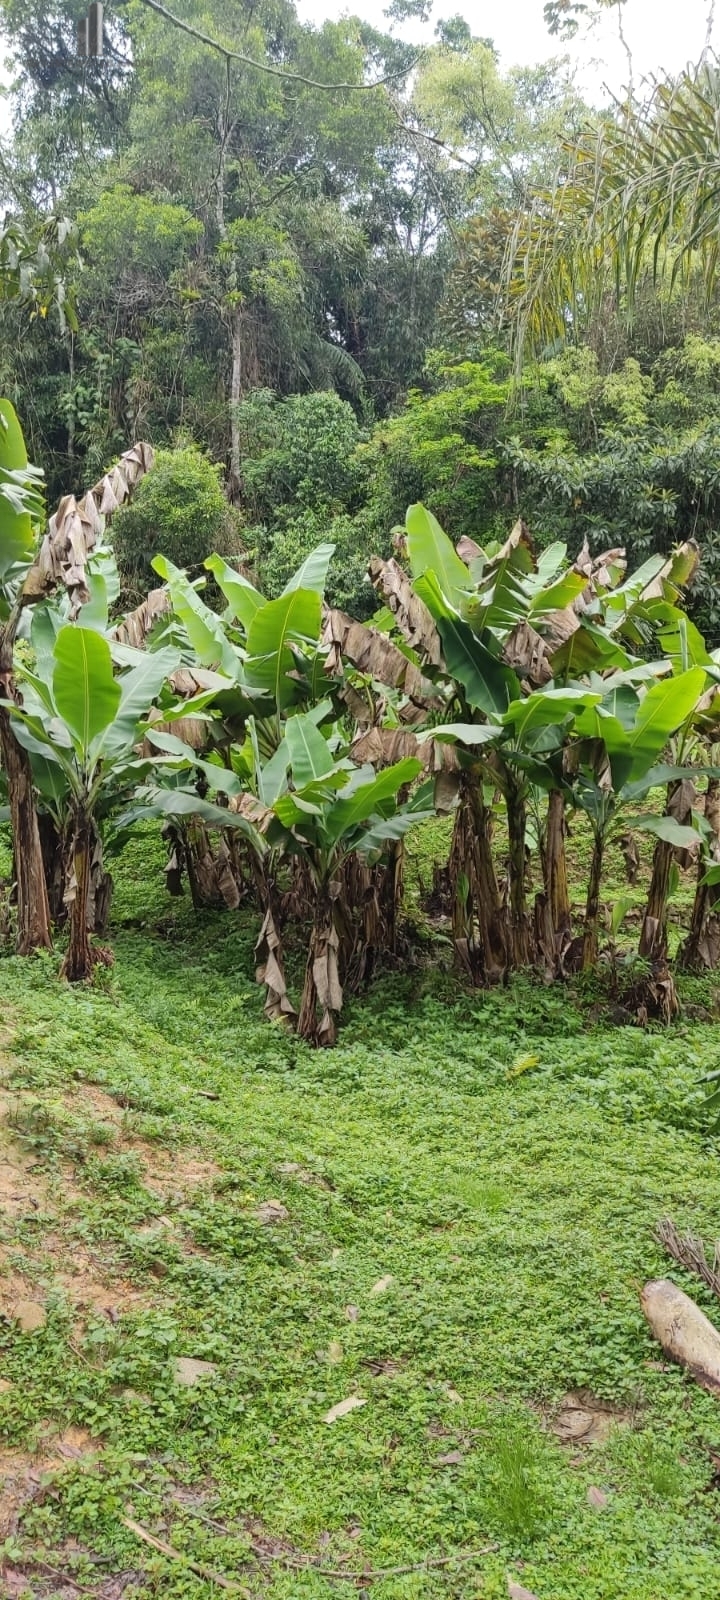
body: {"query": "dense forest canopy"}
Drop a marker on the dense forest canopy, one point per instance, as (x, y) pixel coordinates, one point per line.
(352, 273)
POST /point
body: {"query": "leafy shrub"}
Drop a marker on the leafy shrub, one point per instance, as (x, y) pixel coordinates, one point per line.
(281, 553)
(297, 453)
(179, 509)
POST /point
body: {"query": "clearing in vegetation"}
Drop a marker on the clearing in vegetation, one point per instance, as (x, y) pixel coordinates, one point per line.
(215, 1239)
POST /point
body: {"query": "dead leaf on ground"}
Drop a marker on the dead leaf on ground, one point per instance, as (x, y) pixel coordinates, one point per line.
(453, 1396)
(454, 1458)
(272, 1211)
(597, 1497)
(188, 1371)
(293, 1169)
(516, 1592)
(352, 1313)
(343, 1408)
(382, 1284)
(29, 1315)
(581, 1419)
(382, 1366)
(335, 1352)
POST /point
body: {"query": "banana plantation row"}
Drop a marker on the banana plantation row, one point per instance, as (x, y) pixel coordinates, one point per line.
(288, 749)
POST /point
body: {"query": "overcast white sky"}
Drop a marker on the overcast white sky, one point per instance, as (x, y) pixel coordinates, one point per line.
(663, 35)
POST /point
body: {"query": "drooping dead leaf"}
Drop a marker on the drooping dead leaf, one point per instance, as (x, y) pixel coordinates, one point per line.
(384, 746)
(343, 1408)
(271, 972)
(468, 550)
(412, 616)
(75, 527)
(248, 806)
(371, 651)
(527, 652)
(519, 536)
(135, 627)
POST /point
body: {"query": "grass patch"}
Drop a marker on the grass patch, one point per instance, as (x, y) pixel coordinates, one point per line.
(465, 1195)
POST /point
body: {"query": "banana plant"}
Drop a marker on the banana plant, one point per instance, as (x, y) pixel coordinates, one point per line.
(615, 761)
(78, 725)
(328, 813)
(498, 617)
(32, 566)
(21, 516)
(268, 661)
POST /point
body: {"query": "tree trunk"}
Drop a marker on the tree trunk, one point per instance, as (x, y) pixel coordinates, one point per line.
(556, 876)
(553, 926)
(322, 989)
(100, 887)
(79, 961)
(653, 934)
(54, 853)
(592, 905)
(236, 336)
(519, 929)
(391, 892)
(33, 909)
(479, 931)
(492, 933)
(701, 950)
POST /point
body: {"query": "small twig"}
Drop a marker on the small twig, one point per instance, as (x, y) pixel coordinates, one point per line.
(689, 1252)
(52, 1572)
(190, 1511)
(377, 1574)
(197, 1567)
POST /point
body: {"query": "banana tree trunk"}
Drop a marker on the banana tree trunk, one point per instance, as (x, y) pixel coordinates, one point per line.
(33, 909)
(59, 862)
(556, 874)
(492, 932)
(54, 854)
(519, 927)
(592, 904)
(553, 926)
(479, 930)
(269, 953)
(701, 950)
(79, 960)
(322, 995)
(681, 797)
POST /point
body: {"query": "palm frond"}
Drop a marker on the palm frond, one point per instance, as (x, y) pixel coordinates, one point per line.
(639, 196)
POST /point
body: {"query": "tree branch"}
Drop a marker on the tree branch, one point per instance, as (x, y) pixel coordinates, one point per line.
(263, 66)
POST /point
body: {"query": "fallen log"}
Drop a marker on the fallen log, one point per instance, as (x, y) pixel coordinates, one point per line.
(683, 1330)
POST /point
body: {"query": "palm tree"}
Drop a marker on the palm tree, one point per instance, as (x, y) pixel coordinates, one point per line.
(638, 198)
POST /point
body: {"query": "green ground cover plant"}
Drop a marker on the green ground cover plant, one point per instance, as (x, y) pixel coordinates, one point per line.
(461, 1219)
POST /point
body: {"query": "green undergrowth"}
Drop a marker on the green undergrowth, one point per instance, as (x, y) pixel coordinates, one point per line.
(469, 1185)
